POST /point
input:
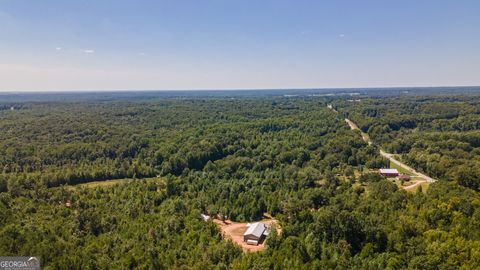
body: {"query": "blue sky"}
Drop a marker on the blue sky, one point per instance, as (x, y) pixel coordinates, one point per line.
(227, 44)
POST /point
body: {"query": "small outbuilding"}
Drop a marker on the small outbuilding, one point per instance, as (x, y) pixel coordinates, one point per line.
(255, 233)
(389, 172)
(403, 177)
(205, 217)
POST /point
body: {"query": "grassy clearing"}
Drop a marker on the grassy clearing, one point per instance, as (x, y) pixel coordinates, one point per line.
(108, 183)
(400, 169)
(412, 182)
(424, 186)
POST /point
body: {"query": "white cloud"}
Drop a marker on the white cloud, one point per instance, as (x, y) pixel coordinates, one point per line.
(88, 51)
(58, 48)
(341, 35)
(142, 54)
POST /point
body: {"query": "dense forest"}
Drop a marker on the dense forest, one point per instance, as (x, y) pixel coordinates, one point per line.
(242, 157)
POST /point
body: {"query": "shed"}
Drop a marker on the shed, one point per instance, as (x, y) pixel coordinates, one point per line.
(389, 172)
(255, 233)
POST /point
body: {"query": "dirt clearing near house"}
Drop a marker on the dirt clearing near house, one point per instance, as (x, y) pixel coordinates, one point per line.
(235, 230)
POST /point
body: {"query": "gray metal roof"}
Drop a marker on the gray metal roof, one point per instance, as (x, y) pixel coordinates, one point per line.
(388, 171)
(256, 229)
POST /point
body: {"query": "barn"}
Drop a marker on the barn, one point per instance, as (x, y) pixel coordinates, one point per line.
(255, 233)
(389, 172)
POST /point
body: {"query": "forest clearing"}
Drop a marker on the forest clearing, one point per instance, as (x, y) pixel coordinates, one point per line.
(394, 163)
(109, 183)
(234, 231)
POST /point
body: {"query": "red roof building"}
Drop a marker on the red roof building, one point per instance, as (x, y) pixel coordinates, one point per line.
(389, 172)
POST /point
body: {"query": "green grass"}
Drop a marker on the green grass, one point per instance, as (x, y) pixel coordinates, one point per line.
(400, 169)
(424, 186)
(108, 183)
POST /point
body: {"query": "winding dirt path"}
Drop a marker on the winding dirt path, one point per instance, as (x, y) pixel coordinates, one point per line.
(414, 185)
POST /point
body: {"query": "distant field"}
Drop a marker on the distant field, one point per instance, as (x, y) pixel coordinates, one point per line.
(109, 183)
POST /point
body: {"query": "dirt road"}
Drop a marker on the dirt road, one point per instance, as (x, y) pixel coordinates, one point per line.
(355, 127)
(406, 167)
(414, 185)
(391, 157)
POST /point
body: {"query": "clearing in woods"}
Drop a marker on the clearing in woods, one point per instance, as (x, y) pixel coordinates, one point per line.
(108, 183)
(235, 230)
(391, 157)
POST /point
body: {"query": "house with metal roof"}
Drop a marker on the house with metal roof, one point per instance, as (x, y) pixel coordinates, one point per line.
(255, 233)
(389, 172)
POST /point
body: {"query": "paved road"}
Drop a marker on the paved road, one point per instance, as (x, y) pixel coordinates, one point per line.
(391, 157)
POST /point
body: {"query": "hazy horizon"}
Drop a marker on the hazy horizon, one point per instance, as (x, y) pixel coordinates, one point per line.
(187, 45)
(336, 91)
(245, 89)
